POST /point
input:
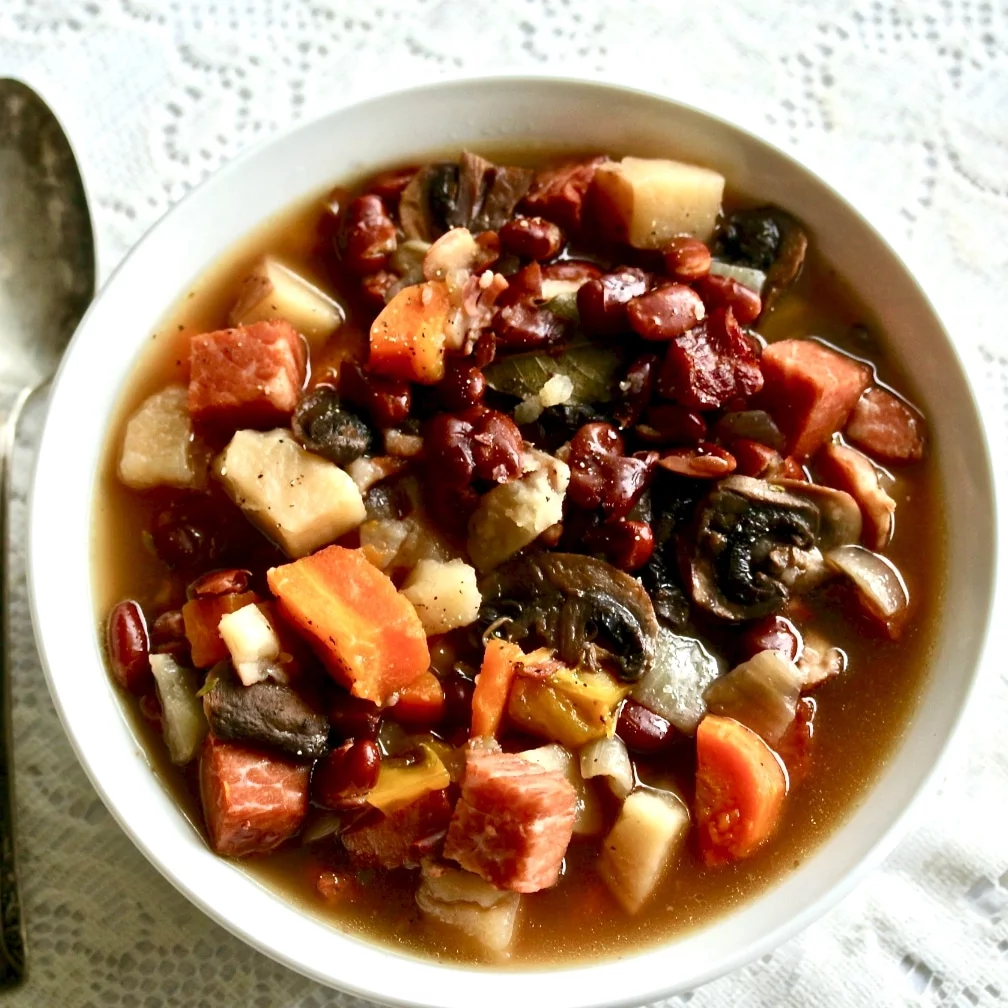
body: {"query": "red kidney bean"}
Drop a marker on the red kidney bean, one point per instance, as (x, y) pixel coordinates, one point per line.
(602, 303)
(337, 886)
(390, 184)
(353, 718)
(626, 544)
(577, 270)
(531, 237)
(150, 709)
(129, 647)
(168, 628)
(489, 249)
(230, 581)
(636, 389)
(450, 507)
(497, 445)
(705, 461)
(485, 350)
(526, 326)
(755, 459)
(665, 313)
(601, 476)
(387, 401)
(343, 778)
(462, 386)
(716, 290)
(666, 423)
(686, 258)
(458, 692)
(188, 535)
(448, 443)
(642, 730)
(375, 286)
(368, 236)
(772, 633)
(525, 285)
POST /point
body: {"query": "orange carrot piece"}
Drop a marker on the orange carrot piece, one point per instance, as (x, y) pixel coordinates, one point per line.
(201, 617)
(493, 685)
(421, 704)
(408, 337)
(740, 789)
(367, 635)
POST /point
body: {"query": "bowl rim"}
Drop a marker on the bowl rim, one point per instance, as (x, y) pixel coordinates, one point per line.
(886, 839)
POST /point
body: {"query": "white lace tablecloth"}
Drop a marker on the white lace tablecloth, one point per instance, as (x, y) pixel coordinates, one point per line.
(903, 106)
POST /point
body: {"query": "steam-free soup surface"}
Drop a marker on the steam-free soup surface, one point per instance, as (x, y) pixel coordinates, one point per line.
(859, 714)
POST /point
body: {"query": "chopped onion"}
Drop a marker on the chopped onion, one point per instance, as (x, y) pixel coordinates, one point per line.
(877, 579)
(745, 275)
(608, 757)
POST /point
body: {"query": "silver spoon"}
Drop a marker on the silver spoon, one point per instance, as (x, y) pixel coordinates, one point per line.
(47, 279)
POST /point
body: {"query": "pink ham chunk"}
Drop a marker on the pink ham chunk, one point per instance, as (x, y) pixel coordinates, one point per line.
(252, 801)
(810, 391)
(401, 839)
(886, 427)
(250, 376)
(513, 822)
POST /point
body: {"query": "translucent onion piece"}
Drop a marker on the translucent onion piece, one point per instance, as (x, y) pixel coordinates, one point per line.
(877, 579)
(609, 758)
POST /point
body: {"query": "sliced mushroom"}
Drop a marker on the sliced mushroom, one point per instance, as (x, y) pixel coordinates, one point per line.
(474, 194)
(757, 543)
(265, 714)
(768, 239)
(573, 602)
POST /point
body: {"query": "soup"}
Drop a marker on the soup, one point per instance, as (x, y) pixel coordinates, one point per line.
(486, 548)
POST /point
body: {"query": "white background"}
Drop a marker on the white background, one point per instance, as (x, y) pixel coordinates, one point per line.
(901, 106)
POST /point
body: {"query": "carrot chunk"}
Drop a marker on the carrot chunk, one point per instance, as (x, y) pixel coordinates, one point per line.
(810, 391)
(493, 685)
(886, 427)
(366, 633)
(421, 704)
(202, 616)
(740, 789)
(408, 337)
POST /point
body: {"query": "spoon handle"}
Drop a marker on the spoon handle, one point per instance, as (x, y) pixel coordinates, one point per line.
(12, 934)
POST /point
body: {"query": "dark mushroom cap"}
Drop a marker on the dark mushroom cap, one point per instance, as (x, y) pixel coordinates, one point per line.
(756, 543)
(267, 714)
(573, 601)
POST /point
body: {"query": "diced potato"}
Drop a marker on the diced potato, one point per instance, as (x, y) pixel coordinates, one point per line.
(588, 815)
(300, 500)
(183, 722)
(649, 201)
(649, 831)
(571, 707)
(252, 642)
(368, 470)
(159, 448)
(274, 291)
(444, 595)
(514, 514)
(399, 786)
(401, 543)
(463, 900)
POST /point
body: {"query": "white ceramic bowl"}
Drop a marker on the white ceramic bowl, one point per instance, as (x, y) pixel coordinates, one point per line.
(304, 161)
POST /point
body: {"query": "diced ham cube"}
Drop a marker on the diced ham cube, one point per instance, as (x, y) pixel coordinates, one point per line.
(558, 194)
(810, 391)
(249, 376)
(252, 801)
(886, 427)
(513, 822)
(846, 469)
(400, 840)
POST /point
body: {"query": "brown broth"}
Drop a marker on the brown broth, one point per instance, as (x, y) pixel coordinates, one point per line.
(861, 715)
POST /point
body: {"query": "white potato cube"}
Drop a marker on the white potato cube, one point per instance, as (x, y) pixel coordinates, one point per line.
(275, 291)
(463, 900)
(300, 500)
(648, 832)
(252, 642)
(588, 815)
(444, 595)
(159, 448)
(653, 199)
(513, 514)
